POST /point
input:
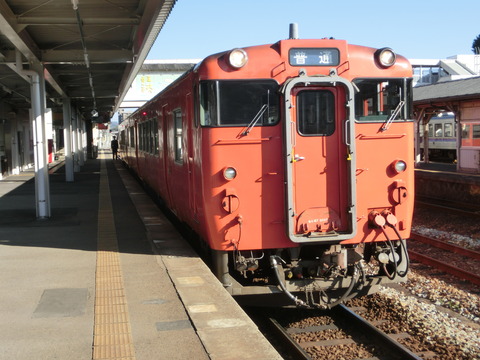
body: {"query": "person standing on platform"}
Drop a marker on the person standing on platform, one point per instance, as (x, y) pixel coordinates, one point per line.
(114, 146)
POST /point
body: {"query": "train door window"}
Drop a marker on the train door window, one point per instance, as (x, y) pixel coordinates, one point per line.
(438, 130)
(132, 137)
(178, 132)
(155, 136)
(144, 136)
(150, 136)
(448, 130)
(147, 136)
(316, 113)
(140, 136)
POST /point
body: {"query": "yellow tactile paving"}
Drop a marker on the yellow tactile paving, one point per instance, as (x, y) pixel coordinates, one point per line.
(112, 337)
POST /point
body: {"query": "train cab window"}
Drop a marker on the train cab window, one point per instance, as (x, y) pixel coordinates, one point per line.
(178, 132)
(438, 130)
(379, 100)
(239, 103)
(316, 113)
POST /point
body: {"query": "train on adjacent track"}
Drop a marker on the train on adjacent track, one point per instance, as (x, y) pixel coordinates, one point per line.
(292, 162)
(442, 132)
(442, 138)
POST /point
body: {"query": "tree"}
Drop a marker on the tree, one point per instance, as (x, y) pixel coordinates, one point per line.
(476, 45)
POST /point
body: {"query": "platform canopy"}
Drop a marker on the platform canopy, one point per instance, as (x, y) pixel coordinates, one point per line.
(89, 50)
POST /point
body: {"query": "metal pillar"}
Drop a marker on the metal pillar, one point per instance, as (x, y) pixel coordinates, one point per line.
(42, 184)
(76, 164)
(81, 141)
(67, 131)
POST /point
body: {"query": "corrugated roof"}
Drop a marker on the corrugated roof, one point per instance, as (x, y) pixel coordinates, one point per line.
(456, 89)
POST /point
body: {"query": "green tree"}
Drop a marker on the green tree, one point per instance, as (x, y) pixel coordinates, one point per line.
(476, 45)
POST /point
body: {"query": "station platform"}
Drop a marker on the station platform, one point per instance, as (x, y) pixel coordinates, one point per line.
(443, 182)
(108, 277)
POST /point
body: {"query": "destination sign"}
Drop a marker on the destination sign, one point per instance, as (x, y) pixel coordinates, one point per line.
(314, 57)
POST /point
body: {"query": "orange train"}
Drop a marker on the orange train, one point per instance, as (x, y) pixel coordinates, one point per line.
(293, 162)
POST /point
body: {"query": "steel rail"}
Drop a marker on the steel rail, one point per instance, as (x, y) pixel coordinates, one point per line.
(446, 246)
(454, 209)
(296, 350)
(377, 334)
(453, 270)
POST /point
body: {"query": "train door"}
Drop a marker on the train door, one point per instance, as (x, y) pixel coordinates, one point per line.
(167, 169)
(190, 125)
(320, 161)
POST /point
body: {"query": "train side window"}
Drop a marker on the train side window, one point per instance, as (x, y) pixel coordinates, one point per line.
(448, 130)
(208, 103)
(316, 113)
(178, 132)
(466, 141)
(438, 130)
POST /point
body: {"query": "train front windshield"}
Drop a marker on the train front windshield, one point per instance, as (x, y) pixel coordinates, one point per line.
(239, 103)
(383, 99)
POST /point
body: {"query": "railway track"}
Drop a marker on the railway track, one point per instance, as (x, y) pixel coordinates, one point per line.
(442, 265)
(450, 206)
(365, 335)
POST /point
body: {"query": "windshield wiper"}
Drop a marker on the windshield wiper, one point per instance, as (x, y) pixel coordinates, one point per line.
(393, 116)
(255, 119)
(258, 116)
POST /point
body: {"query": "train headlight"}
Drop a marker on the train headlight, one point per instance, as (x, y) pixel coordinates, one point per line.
(237, 58)
(385, 57)
(399, 166)
(229, 173)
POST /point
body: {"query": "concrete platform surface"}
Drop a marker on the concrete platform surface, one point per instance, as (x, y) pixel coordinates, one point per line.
(108, 277)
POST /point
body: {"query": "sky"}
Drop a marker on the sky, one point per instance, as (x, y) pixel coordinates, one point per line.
(416, 29)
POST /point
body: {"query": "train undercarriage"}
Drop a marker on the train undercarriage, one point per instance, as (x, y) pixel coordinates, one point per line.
(311, 276)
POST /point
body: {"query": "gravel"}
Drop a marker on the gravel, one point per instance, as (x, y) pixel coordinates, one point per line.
(447, 335)
(439, 311)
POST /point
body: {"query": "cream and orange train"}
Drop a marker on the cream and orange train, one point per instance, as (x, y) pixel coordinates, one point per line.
(292, 162)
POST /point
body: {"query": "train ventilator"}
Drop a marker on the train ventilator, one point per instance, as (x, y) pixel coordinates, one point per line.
(292, 162)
